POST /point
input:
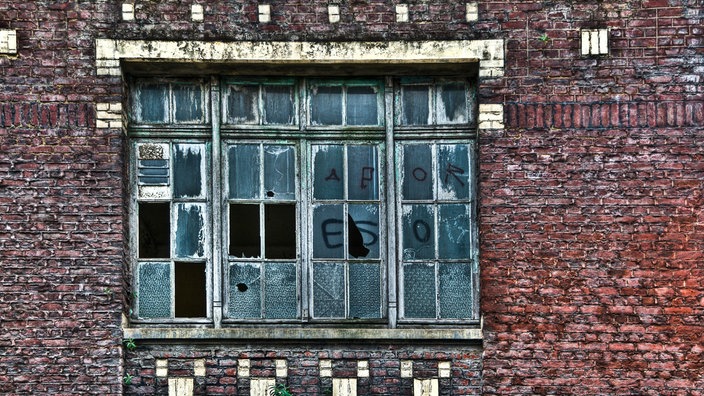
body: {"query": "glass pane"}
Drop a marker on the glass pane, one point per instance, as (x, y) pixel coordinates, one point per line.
(453, 170)
(245, 291)
(326, 105)
(243, 104)
(153, 172)
(453, 236)
(190, 230)
(278, 104)
(151, 102)
(365, 291)
(418, 232)
(279, 172)
(190, 293)
(328, 172)
(417, 178)
(419, 291)
(189, 162)
(455, 290)
(363, 231)
(280, 231)
(363, 182)
(329, 290)
(244, 231)
(362, 106)
(416, 104)
(154, 290)
(243, 168)
(328, 235)
(452, 104)
(188, 102)
(154, 230)
(280, 301)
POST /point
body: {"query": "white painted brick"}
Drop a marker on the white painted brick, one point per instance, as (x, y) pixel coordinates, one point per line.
(243, 368)
(127, 12)
(325, 368)
(472, 10)
(363, 368)
(595, 41)
(344, 387)
(8, 42)
(199, 368)
(197, 13)
(444, 369)
(334, 13)
(281, 368)
(425, 387)
(261, 386)
(162, 368)
(180, 386)
(264, 13)
(402, 13)
(406, 369)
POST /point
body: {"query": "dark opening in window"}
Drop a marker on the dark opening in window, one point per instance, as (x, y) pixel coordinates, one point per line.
(244, 231)
(154, 230)
(190, 290)
(280, 231)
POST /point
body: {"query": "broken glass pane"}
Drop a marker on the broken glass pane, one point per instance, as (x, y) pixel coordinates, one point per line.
(189, 295)
(243, 168)
(365, 291)
(243, 104)
(189, 160)
(244, 231)
(417, 178)
(279, 231)
(329, 290)
(452, 103)
(453, 170)
(363, 182)
(362, 106)
(188, 102)
(278, 104)
(326, 105)
(245, 291)
(154, 293)
(418, 232)
(151, 103)
(154, 230)
(328, 231)
(279, 172)
(190, 230)
(419, 290)
(280, 301)
(453, 236)
(328, 172)
(363, 231)
(455, 290)
(416, 104)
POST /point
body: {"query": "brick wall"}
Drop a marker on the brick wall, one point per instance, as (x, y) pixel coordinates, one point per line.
(590, 199)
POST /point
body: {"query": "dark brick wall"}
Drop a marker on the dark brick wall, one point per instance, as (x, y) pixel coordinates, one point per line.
(591, 199)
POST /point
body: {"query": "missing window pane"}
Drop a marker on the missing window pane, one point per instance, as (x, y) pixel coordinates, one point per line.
(280, 231)
(190, 292)
(245, 240)
(154, 230)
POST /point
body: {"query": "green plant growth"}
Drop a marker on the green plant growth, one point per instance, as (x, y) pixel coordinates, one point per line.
(544, 37)
(279, 390)
(127, 379)
(130, 344)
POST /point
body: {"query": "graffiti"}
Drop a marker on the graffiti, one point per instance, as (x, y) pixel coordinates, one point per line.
(331, 230)
(333, 175)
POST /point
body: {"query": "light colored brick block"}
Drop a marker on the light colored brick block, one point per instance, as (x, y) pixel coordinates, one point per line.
(264, 13)
(402, 13)
(197, 14)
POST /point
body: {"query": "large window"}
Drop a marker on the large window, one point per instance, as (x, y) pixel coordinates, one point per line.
(299, 200)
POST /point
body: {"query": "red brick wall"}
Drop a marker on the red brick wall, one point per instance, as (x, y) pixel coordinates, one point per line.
(590, 200)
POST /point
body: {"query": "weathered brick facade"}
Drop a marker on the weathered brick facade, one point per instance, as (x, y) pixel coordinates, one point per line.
(590, 203)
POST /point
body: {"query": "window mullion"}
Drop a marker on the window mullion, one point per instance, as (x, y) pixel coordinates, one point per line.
(390, 202)
(216, 199)
(305, 243)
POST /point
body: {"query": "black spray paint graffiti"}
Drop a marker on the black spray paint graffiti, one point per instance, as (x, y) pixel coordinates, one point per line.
(356, 244)
(421, 174)
(366, 179)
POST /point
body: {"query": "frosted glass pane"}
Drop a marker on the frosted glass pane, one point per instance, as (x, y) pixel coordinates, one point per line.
(189, 160)
(329, 290)
(326, 105)
(416, 105)
(419, 290)
(151, 103)
(453, 236)
(363, 231)
(452, 104)
(279, 172)
(280, 301)
(365, 291)
(418, 232)
(417, 178)
(243, 168)
(245, 291)
(154, 290)
(328, 235)
(328, 172)
(190, 230)
(455, 290)
(363, 182)
(243, 104)
(278, 104)
(362, 106)
(188, 102)
(453, 169)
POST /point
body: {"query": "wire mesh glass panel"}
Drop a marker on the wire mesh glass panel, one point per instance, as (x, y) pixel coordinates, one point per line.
(419, 291)
(362, 105)
(418, 177)
(154, 295)
(365, 290)
(190, 230)
(188, 103)
(242, 104)
(328, 172)
(451, 103)
(453, 233)
(418, 225)
(151, 103)
(326, 105)
(415, 104)
(189, 172)
(328, 231)
(363, 231)
(279, 172)
(280, 298)
(456, 290)
(329, 290)
(245, 291)
(243, 165)
(454, 168)
(363, 182)
(278, 104)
